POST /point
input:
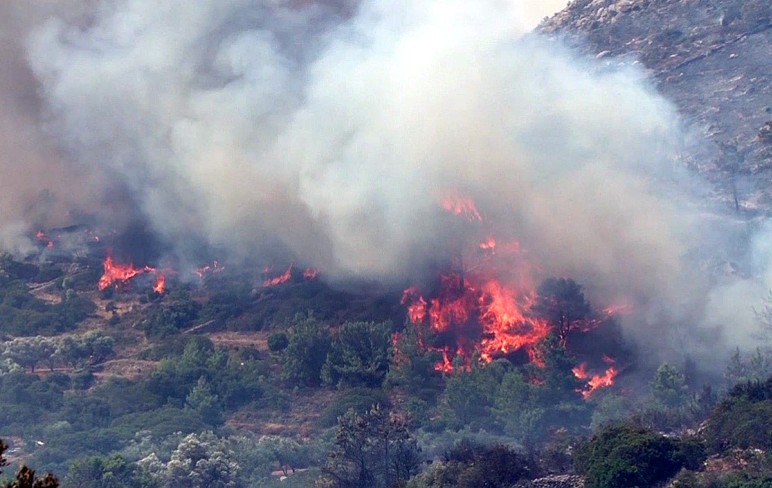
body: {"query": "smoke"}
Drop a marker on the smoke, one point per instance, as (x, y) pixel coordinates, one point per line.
(328, 132)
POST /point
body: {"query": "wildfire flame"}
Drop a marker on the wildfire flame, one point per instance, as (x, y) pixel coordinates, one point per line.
(160, 284)
(486, 308)
(461, 206)
(282, 278)
(595, 382)
(116, 274)
(310, 273)
(489, 244)
(206, 269)
(41, 236)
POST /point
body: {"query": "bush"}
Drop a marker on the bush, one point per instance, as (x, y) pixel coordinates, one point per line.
(360, 400)
(744, 419)
(278, 342)
(634, 458)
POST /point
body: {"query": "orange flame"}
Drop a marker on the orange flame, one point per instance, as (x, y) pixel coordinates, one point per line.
(461, 206)
(116, 274)
(595, 382)
(499, 310)
(282, 278)
(206, 269)
(160, 284)
(488, 244)
(310, 273)
(41, 236)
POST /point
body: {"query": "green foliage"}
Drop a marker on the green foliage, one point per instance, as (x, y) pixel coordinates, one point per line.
(171, 319)
(202, 400)
(200, 461)
(106, 472)
(278, 341)
(21, 314)
(757, 367)
(518, 407)
(233, 381)
(634, 458)
(412, 367)
(671, 405)
(743, 419)
(360, 400)
(306, 354)
(470, 465)
(359, 355)
(669, 388)
(470, 393)
(372, 450)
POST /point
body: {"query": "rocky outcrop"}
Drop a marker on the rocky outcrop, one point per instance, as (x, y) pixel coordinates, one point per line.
(554, 481)
(711, 58)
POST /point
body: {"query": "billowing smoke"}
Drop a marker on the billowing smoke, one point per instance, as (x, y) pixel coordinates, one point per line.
(328, 133)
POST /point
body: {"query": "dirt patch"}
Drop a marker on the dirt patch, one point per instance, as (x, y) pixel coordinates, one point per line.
(126, 368)
(300, 420)
(231, 340)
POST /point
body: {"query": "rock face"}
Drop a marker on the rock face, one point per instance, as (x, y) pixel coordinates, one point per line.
(555, 481)
(712, 58)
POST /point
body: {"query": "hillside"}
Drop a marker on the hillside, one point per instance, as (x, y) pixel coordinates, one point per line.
(143, 355)
(712, 59)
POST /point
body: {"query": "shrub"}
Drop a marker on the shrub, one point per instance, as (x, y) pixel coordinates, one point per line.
(634, 458)
(744, 419)
(278, 341)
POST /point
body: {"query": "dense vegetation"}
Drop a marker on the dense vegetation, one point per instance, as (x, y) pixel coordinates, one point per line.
(216, 383)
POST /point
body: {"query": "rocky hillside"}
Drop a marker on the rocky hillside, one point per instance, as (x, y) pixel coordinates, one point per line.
(713, 58)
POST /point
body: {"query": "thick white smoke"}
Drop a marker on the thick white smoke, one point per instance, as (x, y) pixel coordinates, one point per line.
(332, 132)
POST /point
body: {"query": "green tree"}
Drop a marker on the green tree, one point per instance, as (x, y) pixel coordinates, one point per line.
(634, 458)
(469, 465)
(107, 472)
(199, 461)
(470, 392)
(359, 355)
(743, 419)
(518, 408)
(412, 366)
(30, 351)
(205, 402)
(669, 388)
(373, 450)
(307, 351)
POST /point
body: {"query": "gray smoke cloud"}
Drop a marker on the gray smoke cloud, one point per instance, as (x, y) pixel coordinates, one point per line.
(332, 130)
